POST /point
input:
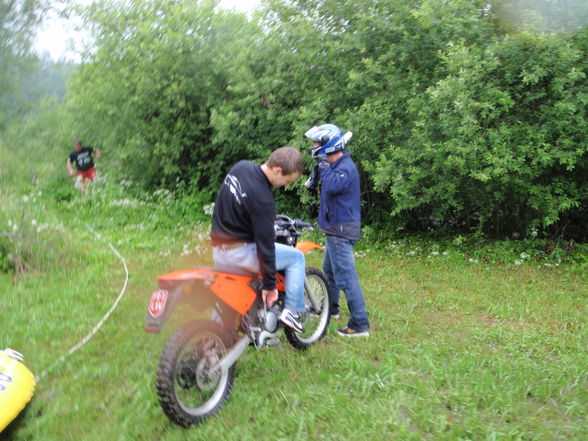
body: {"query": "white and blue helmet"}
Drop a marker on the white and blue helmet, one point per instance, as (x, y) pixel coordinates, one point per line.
(330, 137)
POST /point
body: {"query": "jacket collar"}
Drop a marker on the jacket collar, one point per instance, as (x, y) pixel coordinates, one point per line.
(338, 161)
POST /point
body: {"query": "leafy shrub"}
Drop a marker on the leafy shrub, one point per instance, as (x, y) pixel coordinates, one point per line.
(60, 188)
(499, 143)
(459, 126)
(30, 241)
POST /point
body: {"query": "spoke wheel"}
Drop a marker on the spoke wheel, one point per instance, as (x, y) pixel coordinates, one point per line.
(191, 385)
(315, 319)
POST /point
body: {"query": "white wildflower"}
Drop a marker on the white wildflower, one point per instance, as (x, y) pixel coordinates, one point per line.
(208, 209)
(33, 222)
(517, 262)
(25, 198)
(524, 256)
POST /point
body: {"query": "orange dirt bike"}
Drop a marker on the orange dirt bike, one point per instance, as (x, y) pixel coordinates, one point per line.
(197, 367)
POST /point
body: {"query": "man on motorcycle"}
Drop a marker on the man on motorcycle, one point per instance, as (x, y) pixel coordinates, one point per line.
(340, 219)
(243, 228)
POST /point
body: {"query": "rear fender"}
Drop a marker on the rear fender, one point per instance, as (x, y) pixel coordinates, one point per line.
(201, 288)
(162, 304)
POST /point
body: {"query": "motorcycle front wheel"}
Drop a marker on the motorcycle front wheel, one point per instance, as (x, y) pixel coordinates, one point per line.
(191, 385)
(317, 305)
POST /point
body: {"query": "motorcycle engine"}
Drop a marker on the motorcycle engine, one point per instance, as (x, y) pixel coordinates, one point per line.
(269, 319)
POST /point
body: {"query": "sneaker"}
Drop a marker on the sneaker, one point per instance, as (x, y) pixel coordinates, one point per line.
(291, 319)
(334, 316)
(350, 332)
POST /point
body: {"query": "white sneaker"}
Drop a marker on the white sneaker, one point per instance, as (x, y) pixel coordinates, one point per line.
(291, 319)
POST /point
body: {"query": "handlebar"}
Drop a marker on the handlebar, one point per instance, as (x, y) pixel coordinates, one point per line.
(298, 224)
(283, 222)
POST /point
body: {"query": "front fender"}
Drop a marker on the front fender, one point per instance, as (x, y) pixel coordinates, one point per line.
(305, 246)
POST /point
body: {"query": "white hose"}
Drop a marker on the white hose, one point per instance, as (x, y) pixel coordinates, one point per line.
(93, 332)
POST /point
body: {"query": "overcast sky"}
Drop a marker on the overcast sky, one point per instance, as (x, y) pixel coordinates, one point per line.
(57, 36)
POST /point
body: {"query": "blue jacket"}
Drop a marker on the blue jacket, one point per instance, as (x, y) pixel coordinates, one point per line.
(340, 213)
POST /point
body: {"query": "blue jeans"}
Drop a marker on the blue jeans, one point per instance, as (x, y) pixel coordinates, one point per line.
(289, 259)
(339, 269)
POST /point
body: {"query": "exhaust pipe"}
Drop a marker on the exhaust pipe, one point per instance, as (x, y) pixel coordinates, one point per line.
(233, 355)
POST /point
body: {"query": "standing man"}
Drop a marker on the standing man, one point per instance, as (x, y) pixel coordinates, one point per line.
(340, 219)
(82, 156)
(243, 232)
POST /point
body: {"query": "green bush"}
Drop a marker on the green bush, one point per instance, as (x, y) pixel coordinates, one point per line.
(60, 188)
(32, 240)
(462, 121)
(499, 143)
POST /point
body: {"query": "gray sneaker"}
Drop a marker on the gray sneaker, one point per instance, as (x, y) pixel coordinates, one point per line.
(291, 319)
(350, 332)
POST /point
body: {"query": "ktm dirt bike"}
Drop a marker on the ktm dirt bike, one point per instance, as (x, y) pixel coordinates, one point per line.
(197, 367)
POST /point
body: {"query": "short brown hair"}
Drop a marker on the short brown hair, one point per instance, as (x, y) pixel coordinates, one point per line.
(288, 158)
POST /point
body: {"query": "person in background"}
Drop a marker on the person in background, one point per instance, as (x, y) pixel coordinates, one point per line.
(243, 232)
(340, 220)
(82, 157)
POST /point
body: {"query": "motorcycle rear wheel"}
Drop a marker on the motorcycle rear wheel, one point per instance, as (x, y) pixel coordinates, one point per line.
(191, 386)
(315, 321)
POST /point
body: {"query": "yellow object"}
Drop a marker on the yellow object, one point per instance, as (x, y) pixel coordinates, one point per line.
(17, 384)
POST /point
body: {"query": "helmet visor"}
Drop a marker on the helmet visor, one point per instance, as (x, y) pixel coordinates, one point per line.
(316, 133)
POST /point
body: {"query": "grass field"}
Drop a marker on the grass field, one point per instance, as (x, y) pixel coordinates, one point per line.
(461, 348)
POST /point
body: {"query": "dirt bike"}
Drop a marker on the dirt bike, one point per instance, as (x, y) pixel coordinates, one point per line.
(197, 367)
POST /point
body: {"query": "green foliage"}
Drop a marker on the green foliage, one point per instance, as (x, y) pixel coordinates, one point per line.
(49, 78)
(147, 92)
(18, 20)
(466, 115)
(497, 143)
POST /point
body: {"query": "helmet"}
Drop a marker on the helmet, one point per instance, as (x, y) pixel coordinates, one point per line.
(330, 137)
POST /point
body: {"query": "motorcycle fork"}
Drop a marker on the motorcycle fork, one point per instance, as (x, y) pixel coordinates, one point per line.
(311, 296)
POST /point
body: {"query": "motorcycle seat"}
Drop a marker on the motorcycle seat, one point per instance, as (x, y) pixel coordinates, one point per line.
(232, 269)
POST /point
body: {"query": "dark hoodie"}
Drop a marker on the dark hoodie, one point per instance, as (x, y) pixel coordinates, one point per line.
(244, 211)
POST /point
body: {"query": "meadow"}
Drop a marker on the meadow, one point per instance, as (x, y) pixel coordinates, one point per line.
(467, 343)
